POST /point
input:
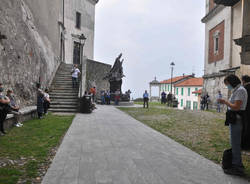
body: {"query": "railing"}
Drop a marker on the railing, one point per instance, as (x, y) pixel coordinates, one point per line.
(80, 84)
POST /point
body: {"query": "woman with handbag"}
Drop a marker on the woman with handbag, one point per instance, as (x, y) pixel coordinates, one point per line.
(236, 107)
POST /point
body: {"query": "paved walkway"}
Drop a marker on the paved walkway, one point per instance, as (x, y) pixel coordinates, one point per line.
(110, 147)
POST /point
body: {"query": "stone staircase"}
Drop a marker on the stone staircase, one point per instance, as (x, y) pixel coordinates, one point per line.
(64, 99)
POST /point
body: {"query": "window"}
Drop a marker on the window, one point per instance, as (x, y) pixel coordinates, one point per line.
(188, 104)
(168, 88)
(188, 91)
(182, 91)
(181, 102)
(216, 42)
(177, 91)
(196, 89)
(195, 105)
(78, 20)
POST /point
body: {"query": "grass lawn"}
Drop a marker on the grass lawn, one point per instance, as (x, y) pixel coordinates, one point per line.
(24, 151)
(203, 132)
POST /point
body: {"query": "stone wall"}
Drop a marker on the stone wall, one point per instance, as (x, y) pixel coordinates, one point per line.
(30, 52)
(95, 72)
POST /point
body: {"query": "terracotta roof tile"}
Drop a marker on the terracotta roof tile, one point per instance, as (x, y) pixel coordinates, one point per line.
(191, 82)
(175, 79)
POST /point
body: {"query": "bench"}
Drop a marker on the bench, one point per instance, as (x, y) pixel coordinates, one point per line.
(28, 113)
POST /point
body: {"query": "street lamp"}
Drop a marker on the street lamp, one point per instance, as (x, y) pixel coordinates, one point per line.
(82, 39)
(172, 68)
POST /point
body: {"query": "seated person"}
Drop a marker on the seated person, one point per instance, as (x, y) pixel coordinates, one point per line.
(4, 102)
(14, 107)
(46, 103)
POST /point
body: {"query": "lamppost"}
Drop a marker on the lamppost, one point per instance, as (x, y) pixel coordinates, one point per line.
(82, 39)
(172, 68)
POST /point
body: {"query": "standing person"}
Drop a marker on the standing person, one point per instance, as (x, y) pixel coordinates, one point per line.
(40, 101)
(14, 107)
(163, 97)
(236, 105)
(219, 96)
(4, 101)
(93, 92)
(75, 73)
(245, 143)
(206, 101)
(102, 97)
(117, 96)
(46, 103)
(129, 94)
(107, 99)
(145, 99)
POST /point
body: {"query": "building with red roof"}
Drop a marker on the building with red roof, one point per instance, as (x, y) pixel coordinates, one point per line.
(186, 93)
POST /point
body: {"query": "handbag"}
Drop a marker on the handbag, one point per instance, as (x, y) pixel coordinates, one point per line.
(227, 159)
(230, 117)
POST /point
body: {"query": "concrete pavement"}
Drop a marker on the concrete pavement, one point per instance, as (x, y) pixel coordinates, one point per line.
(110, 147)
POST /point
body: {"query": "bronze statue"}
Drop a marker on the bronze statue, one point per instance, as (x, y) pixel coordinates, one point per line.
(115, 76)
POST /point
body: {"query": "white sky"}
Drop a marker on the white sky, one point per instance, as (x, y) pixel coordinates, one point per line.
(150, 34)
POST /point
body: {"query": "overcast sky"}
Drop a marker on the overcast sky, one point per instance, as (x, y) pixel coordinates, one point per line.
(151, 34)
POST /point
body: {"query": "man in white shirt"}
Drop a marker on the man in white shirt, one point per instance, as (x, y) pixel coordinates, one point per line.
(75, 73)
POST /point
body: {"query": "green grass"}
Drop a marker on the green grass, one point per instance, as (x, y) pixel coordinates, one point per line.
(30, 145)
(151, 104)
(201, 131)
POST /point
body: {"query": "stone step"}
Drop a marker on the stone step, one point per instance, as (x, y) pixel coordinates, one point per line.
(63, 93)
(64, 106)
(68, 75)
(63, 97)
(66, 87)
(63, 110)
(64, 103)
(62, 82)
(62, 79)
(63, 100)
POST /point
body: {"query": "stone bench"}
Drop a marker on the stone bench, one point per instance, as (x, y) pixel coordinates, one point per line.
(28, 113)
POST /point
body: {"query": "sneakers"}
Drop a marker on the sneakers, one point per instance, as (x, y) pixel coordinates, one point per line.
(2, 133)
(234, 170)
(19, 124)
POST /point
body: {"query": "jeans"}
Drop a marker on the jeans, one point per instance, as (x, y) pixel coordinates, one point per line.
(145, 102)
(218, 107)
(3, 116)
(235, 139)
(103, 99)
(74, 82)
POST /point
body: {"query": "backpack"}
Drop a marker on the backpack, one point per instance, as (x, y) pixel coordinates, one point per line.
(227, 159)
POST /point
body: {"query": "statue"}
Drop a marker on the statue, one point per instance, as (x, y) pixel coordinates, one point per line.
(115, 76)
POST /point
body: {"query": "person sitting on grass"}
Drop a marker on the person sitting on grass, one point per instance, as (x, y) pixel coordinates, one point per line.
(15, 108)
(4, 101)
(46, 103)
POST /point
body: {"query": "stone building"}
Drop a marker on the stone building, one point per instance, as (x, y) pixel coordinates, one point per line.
(79, 18)
(37, 36)
(225, 22)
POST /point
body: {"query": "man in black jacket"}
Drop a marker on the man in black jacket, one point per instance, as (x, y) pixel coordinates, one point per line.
(245, 141)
